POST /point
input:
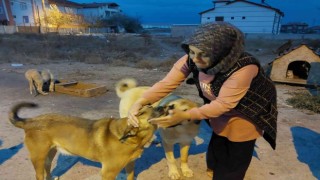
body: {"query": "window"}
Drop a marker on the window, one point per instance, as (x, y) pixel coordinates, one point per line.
(243, 17)
(219, 18)
(208, 18)
(23, 5)
(232, 17)
(25, 19)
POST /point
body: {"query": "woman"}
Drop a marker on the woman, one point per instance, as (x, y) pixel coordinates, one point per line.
(240, 101)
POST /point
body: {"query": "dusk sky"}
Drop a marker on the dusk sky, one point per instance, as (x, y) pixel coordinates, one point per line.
(187, 11)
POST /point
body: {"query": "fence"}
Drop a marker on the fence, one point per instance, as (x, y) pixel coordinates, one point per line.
(8, 29)
(37, 29)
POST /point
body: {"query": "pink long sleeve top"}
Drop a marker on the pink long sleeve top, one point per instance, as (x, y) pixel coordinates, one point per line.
(224, 119)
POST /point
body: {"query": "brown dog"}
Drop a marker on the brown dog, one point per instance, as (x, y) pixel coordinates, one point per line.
(37, 79)
(109, 141)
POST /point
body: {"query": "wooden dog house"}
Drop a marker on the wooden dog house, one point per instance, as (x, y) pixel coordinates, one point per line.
(300, 65)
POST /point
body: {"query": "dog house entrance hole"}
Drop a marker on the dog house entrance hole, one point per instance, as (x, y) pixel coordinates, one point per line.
(298, 70)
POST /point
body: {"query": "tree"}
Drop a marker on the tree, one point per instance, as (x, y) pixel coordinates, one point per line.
(57, 19)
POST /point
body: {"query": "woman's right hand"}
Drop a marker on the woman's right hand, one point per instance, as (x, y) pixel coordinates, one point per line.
(134, 110)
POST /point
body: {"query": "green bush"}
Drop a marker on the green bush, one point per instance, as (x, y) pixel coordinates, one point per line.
(304, 100)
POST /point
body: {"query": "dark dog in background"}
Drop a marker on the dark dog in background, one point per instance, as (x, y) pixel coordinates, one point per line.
(40, 80)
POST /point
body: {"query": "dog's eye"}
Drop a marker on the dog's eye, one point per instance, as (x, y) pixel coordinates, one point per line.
(185, 110)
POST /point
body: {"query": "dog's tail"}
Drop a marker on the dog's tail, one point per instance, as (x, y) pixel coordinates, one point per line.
(125, 84)
(13, 114)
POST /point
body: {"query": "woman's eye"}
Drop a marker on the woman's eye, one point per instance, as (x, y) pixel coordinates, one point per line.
(204, 55)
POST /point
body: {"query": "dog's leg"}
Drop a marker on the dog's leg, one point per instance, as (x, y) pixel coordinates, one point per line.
(39, 88)
(31, 86)
(48, 163)
(130, 170)
(109, 171)
(184, 153)
(171, 162)
(38, 153)
(51, 88)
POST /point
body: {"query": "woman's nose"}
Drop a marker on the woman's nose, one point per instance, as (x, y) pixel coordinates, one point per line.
(196, 58)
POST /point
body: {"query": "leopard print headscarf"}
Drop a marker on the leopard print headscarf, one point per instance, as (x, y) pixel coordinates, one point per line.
(223, 42)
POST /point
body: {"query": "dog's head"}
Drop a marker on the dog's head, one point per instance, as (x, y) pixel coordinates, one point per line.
(181, 104)
(146, 113)
(149, 112)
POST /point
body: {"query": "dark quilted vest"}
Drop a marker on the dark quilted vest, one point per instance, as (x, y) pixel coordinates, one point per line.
(260, 102)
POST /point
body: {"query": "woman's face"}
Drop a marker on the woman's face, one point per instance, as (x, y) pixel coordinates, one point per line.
(200, 58)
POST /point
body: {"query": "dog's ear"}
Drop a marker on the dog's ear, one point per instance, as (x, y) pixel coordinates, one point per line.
(158, 111)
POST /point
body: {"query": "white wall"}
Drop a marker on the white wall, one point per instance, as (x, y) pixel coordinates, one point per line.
(21, 8)
(257, 19)
(93, 14)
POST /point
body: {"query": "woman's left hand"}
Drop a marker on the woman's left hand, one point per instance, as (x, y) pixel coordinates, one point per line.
(175, 117)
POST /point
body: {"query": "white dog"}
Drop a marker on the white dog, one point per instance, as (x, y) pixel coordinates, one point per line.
(37, 80)
(183, 134)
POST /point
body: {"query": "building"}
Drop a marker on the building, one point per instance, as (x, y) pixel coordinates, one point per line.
(96, 11)
(20, 13)
(297, 28)
(248, 16)
(30, 12)
(6, 17)
(65, 6)
(314, 29)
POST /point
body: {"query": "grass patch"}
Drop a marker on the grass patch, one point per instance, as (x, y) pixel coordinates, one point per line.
(304, 100)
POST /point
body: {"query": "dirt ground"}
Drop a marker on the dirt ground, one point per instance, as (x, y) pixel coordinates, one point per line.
(298, 145)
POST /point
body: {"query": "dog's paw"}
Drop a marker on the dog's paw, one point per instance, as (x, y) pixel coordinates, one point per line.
(186, 171)
(44, 93)
(174, 174)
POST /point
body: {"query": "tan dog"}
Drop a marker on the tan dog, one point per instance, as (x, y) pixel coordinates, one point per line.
(109, 141)
(37, 79)
(182, 134)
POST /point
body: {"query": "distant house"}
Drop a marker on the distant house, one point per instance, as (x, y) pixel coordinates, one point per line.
(297, 28)
(248, 16)
(29, 12)
(95, 11)
(314, 29)
(6, 17)
(66, 6)
(300, 65)
(19, 13)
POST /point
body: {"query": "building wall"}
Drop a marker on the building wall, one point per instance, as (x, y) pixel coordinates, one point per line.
(247, 17)
(94, 14)
(6, 13)
(22, 12)
(3, 13)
